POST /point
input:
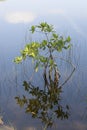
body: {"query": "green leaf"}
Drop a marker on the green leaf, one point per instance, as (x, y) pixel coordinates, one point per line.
(55, 35)
(43, 59)
(32, 54)
(43, 24)
(18, 59)
(44, 42)
(33, 29)
(51, 62)
(67, 47)
(68, 39)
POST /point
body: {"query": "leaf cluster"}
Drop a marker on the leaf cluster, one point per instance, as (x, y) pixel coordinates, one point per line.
(49, 44)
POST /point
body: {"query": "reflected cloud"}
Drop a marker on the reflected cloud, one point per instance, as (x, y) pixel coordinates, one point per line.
(20, 17)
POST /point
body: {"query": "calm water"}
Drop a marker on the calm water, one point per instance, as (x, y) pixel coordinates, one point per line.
(69, 18)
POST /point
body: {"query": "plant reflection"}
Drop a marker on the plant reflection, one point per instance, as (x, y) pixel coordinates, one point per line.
(44, 104)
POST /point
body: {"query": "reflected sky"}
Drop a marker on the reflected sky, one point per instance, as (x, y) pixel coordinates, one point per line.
(16, 16)
(69, 18)
(58, 13)
(32, 8)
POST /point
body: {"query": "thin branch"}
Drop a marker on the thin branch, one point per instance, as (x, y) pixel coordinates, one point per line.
(67, 78)
(70, 74)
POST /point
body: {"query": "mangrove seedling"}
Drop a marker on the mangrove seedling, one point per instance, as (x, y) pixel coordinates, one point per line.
(42, 52)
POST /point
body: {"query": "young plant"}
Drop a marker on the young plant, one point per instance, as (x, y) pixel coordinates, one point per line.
(52, 42)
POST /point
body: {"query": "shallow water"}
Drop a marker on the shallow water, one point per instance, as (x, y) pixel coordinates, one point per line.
(15, 19)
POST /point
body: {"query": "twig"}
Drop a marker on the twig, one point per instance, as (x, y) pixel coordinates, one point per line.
(67, 79)
(70, 74)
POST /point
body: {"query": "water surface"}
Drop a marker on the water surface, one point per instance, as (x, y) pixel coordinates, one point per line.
(69, 18)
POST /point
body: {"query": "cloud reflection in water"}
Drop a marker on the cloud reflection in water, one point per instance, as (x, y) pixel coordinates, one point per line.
(20, 17)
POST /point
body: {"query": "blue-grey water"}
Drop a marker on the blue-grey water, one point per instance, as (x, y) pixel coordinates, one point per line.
(68, 18)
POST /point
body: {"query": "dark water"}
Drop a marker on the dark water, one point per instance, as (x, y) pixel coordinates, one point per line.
(15, 20)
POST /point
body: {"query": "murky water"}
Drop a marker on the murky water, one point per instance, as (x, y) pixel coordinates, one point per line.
(69, 18)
